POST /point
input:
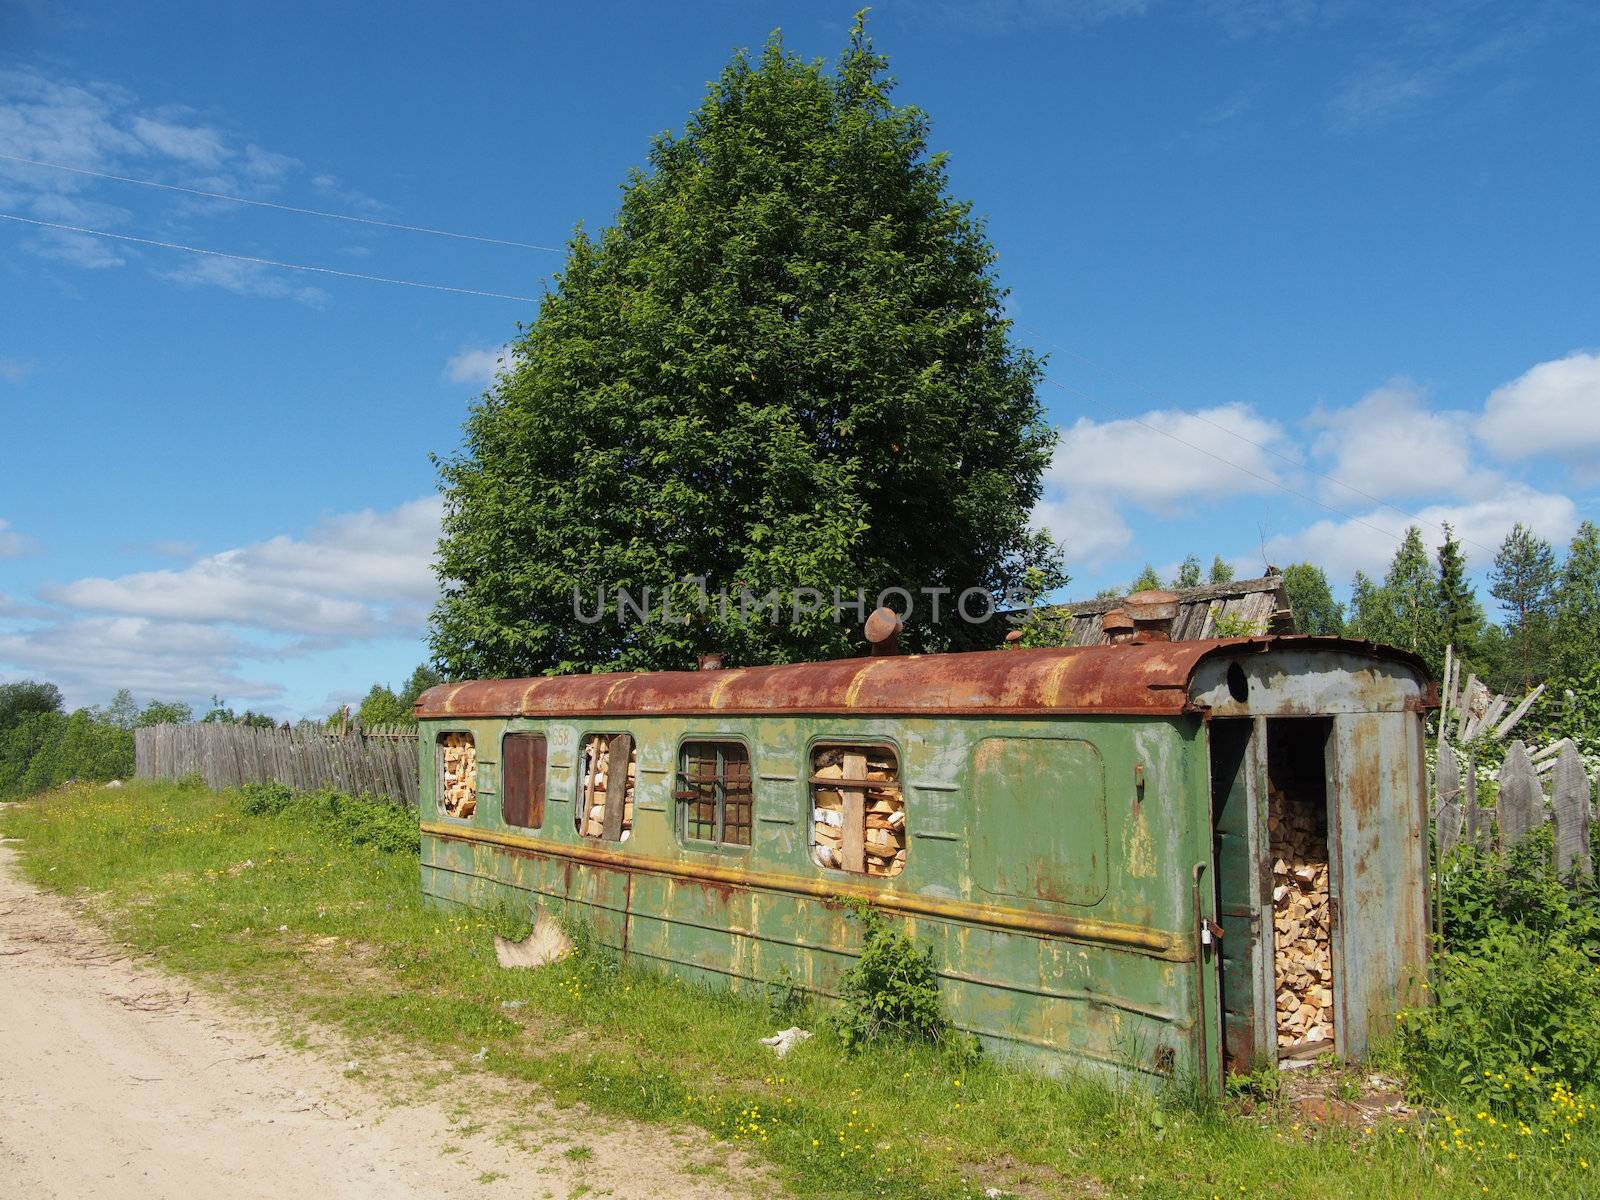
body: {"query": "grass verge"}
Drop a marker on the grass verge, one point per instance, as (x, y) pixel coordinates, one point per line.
(287, 910)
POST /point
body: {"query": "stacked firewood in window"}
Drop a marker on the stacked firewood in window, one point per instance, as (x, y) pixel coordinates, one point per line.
(599, 779)
(459, 777)
(1301, 922)
(858, 815)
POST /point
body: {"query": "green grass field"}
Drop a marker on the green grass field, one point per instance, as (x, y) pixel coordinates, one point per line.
(287, 914)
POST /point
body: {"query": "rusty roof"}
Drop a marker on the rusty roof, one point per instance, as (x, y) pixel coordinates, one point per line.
(1149, 680)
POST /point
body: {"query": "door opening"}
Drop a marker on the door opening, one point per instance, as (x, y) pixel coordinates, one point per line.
(1303, 908)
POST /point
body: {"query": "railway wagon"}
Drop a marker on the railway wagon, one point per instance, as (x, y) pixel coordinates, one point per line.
(1152, 860)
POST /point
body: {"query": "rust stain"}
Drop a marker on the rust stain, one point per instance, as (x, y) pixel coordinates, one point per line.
(1155, 942)
(1149, 679)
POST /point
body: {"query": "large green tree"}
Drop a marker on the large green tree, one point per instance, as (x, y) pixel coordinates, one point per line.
(786, 365)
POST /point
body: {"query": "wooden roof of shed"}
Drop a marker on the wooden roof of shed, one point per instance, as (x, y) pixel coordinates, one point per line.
(1260, 606)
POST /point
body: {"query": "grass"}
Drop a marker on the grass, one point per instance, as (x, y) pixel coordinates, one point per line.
(287, 913)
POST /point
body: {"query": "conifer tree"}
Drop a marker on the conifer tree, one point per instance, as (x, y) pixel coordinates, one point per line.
(1523, 576)
(1460, 616)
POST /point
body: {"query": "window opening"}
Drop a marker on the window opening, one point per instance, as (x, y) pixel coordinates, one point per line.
(458, 775)
(858, 814)
(608, 767)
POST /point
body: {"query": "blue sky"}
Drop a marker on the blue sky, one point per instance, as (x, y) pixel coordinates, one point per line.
(1305, 272)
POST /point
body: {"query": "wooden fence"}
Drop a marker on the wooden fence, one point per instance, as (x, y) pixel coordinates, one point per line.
(379, 762)
(1521, 805)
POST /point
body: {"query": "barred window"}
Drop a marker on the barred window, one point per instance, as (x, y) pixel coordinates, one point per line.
(858, 817)
(715, 800)
(607, 769)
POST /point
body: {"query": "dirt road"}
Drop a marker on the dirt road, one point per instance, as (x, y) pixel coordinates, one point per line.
(117, 1080)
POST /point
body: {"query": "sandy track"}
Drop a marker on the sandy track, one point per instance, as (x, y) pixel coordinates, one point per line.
(117, 1080)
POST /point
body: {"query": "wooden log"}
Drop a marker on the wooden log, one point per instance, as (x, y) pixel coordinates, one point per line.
(853, 852)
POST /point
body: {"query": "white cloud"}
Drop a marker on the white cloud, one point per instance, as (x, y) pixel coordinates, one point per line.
(99, 127)
(12, 543)
(91, 656)
(353, 579)
(15, 370)
(1391, 443)
(196, 144)
(1100, 465)
(1367, 541)
(1553, 408)
(355, 575)
(245, 279)
(1212, 454)
(480, 367)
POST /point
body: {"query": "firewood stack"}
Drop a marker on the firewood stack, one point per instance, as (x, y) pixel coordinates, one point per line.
(858, 828)
(597, 779)
(1303, 959)
(460, 791)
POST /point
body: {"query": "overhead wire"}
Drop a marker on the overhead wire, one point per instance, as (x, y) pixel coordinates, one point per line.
(291, 208)
(266, 262)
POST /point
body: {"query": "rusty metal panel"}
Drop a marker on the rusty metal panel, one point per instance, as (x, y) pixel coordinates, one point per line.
(1039, 820)
(1151, 679)
(1379, 851)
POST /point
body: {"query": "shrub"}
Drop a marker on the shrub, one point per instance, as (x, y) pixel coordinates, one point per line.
(1512, 1016)
(891, 991)
(355, 820)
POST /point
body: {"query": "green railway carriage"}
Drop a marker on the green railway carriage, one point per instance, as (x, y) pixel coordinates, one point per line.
(1085, 836)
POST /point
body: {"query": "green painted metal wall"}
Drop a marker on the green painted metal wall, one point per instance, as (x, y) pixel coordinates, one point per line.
(1113, 982)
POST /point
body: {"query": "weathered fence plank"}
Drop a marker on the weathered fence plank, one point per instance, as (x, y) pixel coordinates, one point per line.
(1569, 804)
(228, 756)
(1520, 808)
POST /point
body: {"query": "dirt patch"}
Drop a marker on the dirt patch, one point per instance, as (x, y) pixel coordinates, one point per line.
(119, 1081)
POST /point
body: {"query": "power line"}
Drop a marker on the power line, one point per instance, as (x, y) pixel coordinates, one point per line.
(266, 262)
(1148, 394)
(310, 212)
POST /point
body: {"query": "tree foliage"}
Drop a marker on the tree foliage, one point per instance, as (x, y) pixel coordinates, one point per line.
(1523, 579)
(385, 706)
(1221, 571)
(785, 365)
(1575, 648)
(1311, 600)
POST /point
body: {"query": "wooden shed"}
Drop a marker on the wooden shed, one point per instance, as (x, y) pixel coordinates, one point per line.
(1246, 607)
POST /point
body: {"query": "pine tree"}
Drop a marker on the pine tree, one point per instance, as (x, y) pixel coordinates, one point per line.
(1460, 616)
(1576, 643)
(1221, 572)
(786, 366)
(1523, 576)
(1403, 610)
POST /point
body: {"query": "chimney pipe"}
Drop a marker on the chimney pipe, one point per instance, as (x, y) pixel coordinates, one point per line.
(883, 631)
(1153, 612)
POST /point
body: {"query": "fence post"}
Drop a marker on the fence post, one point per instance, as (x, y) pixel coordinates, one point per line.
(1569, 803)
(1520, 807)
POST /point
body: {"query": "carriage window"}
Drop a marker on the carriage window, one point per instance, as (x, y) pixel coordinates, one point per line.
(522, 763)
(858, 815)
(458, 775)
(713, 794)
(607, 767)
